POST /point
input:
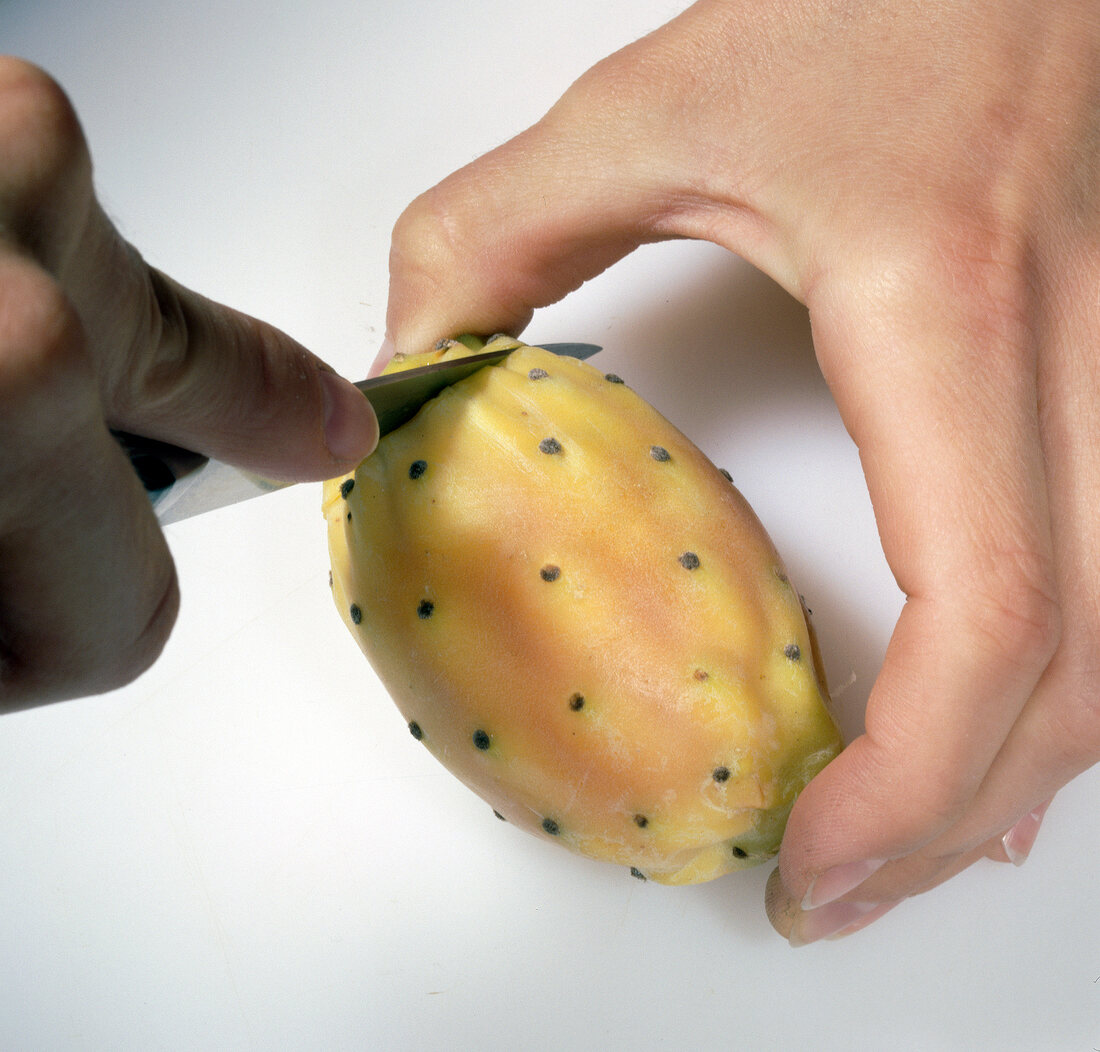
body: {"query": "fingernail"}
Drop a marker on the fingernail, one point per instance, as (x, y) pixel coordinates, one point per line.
(351, 430)
(385, 353)
(838, 881)
(830, 920)
(1020, 839)
(866, 920)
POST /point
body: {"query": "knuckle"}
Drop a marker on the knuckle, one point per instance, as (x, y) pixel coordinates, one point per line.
(42, 348)
(31, 100)
(160, 353)
(46, 665)
(190, 362)
(42, 146)
(632, 81)
(427, 238)
(439, 286)
(973, 264)
(180, 360)
(1017, 614)
(142, 647)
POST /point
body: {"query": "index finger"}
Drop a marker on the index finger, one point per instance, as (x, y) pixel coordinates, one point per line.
(937, 387)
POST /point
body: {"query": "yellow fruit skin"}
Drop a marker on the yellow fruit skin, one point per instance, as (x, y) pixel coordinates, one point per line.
(582, 618)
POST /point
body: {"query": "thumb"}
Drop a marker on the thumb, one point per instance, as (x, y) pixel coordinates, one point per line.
(167, 363)
(610, 167)
(224, 384)
(511, 232)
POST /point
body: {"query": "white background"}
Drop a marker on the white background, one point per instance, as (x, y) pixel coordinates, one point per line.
(246, 849)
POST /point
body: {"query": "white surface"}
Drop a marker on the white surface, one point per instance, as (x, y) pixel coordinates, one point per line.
(245, 849)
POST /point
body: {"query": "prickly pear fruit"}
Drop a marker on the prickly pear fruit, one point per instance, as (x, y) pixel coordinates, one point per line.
(582, 618)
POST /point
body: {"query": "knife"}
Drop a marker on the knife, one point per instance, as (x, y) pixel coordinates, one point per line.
(182, 484)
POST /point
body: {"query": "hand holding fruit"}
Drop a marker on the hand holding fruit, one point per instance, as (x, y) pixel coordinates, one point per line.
(924, 176)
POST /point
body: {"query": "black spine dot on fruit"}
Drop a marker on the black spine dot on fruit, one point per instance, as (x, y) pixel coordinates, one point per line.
(689, 561)
(740, 852)
(415, 731)
(550, 446)
(550, 826)
(417, 468)
(576, 703)
(425, 609)
(349, 516)
(500, 816)
(346, 487)
(721, 774)
(356, 614)
(660, 454)
(613, 378)
(780, 576)
(537, 374)
(550, 573)
(482, 740)
(636, 873)
(792, 651)
(725, 474)
(641, 821)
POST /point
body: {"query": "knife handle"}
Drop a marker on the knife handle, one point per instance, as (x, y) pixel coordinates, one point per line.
(158, 464)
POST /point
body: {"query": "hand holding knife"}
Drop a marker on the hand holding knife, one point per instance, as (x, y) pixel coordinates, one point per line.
(182, 483)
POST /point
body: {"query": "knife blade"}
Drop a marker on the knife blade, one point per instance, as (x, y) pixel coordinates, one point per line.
(181, 483)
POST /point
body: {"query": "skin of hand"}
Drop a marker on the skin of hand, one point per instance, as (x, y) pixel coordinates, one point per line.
(924, 177)
(92, 338)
